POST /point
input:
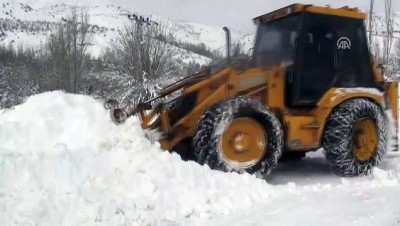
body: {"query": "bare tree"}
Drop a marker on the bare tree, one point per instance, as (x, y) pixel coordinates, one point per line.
(81, 39)
(397, 59)
(15, 86)
(378, 52)
(143, 52)
(370, 22)
(389, 20)
(237, 49)
(142, 56)
(67, 49)
(397, 48)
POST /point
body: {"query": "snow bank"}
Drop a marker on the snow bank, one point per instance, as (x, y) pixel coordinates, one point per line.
(386, 177)
(63, 162)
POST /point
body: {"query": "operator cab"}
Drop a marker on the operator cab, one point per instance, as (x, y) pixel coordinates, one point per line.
(320, 48)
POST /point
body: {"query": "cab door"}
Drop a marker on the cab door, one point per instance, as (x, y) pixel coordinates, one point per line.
(314, 72)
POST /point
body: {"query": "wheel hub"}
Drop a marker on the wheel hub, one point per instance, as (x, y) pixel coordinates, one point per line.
(243, 142)
(365, 140)
(240, 142)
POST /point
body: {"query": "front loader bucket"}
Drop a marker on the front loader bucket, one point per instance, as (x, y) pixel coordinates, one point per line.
(118, 115)
(149, 120)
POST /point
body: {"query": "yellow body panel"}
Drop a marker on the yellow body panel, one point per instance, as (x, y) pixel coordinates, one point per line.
(336, 96)
(305, 129)
(302, 132)
(276, 89)
(393, 90)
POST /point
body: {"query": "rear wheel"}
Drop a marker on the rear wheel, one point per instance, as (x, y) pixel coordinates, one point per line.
(239, 135)
(355, 137)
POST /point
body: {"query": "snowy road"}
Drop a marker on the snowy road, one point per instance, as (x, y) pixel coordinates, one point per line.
(322, 198)
(63, 162)
(369, 206)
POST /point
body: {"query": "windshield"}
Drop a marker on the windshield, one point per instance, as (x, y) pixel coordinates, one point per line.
(276, 42)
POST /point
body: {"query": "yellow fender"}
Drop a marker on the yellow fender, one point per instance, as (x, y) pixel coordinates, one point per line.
(336, 96)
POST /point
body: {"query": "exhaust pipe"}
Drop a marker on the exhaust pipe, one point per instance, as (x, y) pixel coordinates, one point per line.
(228, 43)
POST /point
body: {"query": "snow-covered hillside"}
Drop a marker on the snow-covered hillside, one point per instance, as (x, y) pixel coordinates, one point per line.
(63, 162)
(33, 21)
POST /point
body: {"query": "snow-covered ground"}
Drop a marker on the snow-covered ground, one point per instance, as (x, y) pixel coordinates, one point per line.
(63, 162)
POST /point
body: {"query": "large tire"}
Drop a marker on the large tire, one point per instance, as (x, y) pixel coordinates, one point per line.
(206, 142)
(340, 128)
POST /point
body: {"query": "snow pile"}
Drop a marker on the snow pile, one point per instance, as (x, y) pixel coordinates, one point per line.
(63, 162)
(386, 177)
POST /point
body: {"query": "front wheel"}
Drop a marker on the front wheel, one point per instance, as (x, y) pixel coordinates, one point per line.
(355, 137)
(239, 135)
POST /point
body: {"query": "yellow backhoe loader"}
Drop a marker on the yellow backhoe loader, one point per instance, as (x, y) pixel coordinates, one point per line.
(310, 83)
